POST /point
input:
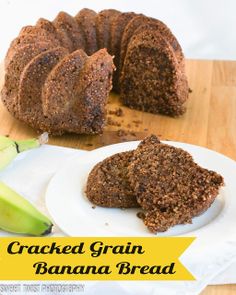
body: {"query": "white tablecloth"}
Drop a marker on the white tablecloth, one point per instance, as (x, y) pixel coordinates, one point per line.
(30, 174)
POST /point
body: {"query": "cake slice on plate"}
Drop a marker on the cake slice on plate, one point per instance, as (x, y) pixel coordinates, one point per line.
(169, 185)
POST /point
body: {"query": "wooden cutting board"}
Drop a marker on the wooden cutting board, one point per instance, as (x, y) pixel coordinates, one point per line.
(210, 121)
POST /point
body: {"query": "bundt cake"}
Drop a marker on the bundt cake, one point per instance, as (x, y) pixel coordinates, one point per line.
(58, 74)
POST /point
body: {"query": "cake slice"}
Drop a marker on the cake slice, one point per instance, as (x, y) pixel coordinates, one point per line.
(59, 34)
(43, 31)
(28, 38)
(94, 85)
(159, 27)
(86, 19)
(117, 28)
(142, 23)
(67, 24)
(64, 30)
(103, 27)
(169, 185)
(76, 90)
(59, 95)
(155, 83)
(158, 220)
(129, 31)
(14, 67)
(108, 185)
(30, 87)
(43, 26)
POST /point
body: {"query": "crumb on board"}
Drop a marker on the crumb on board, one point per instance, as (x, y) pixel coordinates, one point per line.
(117, 112)
(122, 133)
(112, 122)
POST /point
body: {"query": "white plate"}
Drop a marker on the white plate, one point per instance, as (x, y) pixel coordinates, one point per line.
(73, 212)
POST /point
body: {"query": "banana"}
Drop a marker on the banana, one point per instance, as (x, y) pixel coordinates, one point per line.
(10, 148)
(17, 215)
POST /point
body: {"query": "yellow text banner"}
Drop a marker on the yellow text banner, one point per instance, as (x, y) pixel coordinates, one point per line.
(95, 258)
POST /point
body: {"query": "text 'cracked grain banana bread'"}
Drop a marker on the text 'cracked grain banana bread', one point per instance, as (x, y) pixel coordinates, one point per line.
(58, 74)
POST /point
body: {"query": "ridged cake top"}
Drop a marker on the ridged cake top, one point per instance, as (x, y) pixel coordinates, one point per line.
(42, 88)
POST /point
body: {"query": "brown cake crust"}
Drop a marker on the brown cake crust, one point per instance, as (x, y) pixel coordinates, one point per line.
(31, 83)
(103, 27)
(108, 185)
(15, 65)
(170, 185)
(86, 19)
(164, 87)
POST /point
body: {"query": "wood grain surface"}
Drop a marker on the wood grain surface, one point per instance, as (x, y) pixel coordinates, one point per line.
(210, 121)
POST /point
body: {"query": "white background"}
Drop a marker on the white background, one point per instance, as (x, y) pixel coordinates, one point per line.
(205, 28)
